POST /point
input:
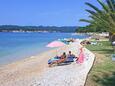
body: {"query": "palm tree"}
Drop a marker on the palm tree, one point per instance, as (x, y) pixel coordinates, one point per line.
(102, 18)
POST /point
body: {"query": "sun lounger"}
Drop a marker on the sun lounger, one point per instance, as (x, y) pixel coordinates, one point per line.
(53, 59)
(68, 60)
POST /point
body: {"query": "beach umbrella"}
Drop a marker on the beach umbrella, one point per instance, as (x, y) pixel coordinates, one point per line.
(56, 44)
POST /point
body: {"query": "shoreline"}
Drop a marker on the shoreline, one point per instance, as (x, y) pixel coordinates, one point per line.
(26, 72)
(22, 70)
(18, 46)
(24, 57)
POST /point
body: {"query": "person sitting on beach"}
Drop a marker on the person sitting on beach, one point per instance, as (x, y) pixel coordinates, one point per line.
(70, 54)
(61, 59)
(71, 57)
(85, 42)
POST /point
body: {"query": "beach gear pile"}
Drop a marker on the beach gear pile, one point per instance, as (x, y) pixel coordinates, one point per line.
(57, 58)
(69, 58)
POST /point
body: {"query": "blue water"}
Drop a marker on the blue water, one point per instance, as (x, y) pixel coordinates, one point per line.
(16, 46)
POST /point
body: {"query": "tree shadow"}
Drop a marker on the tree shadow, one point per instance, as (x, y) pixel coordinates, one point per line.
(106, 51)
(106, 80)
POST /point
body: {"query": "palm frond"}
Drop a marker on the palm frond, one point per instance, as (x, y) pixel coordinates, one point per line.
(94, 7)
(85, 20)
(111, 4)
(91, 12)
(104, 6)
(104, 18)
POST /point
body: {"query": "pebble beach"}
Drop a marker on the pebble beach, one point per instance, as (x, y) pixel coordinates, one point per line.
(34, 71)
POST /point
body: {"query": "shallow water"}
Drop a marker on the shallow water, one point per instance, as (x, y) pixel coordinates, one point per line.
(16, 46)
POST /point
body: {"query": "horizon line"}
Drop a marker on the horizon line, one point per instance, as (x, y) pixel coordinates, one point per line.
(39, 25)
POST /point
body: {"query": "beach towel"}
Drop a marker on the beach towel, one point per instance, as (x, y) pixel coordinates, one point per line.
(53, 59)
(70, 59)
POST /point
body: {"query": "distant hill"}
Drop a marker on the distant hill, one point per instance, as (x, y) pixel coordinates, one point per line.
(10, 28)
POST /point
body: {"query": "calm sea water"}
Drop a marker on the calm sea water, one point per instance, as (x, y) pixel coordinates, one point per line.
(16, 46)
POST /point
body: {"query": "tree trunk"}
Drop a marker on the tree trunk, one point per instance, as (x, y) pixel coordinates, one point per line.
(110, 36)
(113, 38)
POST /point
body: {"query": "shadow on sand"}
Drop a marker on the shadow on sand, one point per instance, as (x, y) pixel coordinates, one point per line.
(62, 64)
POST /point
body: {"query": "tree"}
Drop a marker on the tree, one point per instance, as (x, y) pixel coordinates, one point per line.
(102, 18)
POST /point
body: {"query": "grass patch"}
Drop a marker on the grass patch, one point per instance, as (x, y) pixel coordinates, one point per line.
(103, 71)
(103, 47)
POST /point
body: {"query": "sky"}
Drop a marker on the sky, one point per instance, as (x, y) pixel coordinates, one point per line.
(44, 12)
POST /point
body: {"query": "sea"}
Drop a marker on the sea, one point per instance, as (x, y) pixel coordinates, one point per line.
(15, 46)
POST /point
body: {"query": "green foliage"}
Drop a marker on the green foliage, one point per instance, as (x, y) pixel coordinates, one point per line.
(102, 18)
(89, 29)
(103, 71)
(10, 28)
